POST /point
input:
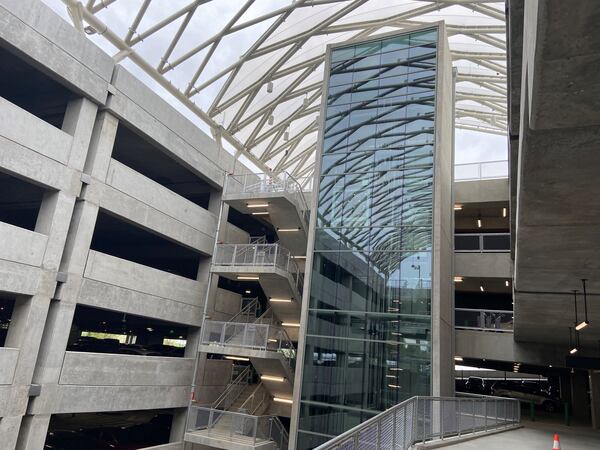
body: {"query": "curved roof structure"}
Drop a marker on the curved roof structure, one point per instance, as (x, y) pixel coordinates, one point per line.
(253, 69)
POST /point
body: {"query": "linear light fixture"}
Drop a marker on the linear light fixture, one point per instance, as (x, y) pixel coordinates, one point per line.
(248, 277)
(289, 401)
(458, 207)
(394, 386)
(237, 358)
(260, 213)
(299, 257)
(248, 291)
(507, 283)
(289, 324)
(481, 287)
(504, 211)
(272, 378)
(285, 230)
(479, 221)
(257, 205)
(458, 358)
(280, 300)
(573, 348)
(586, 322)
(458, 279)
(272, 340)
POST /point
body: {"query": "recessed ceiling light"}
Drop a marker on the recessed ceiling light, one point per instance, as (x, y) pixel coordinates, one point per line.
(272, 378)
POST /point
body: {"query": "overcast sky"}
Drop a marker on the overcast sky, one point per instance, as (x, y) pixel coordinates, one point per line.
(470, 146)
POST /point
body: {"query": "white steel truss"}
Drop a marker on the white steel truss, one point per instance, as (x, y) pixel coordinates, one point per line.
(252, 70)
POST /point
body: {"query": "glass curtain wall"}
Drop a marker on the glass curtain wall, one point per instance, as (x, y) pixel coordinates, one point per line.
(368, 338)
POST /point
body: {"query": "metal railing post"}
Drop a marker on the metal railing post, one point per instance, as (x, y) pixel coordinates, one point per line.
(394, 425)
(378, 436)
(473, 416)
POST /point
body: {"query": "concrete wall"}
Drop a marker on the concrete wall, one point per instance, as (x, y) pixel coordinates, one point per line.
(483, 265)
(481, 191)
(442, 301)
(74, 164)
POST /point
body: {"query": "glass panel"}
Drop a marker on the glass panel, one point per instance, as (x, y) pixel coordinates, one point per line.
(368, 342)
(466, 242)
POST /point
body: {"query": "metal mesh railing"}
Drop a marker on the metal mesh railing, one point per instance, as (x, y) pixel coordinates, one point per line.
(259, 255)
(238, 426)
(422, 419)
(262, 183)
(487, 170)
(484, 319)
(256, 336)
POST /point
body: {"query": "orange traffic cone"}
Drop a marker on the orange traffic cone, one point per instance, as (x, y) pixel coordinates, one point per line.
(556, 445)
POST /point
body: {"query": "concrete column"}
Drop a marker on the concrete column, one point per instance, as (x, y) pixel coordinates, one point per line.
(594, 376)
(78, 122)
(178, 425)
(33, 432)
(70, 228)
(579, 396)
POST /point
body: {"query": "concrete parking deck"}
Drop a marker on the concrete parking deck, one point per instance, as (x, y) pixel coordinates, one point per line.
(534, 436)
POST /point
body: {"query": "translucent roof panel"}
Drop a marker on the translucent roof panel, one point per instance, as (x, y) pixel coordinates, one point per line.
(254, 68)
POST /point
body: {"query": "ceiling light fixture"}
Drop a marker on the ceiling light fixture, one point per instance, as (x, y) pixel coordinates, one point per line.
(272, 378)
(283, 400)
(458, 207)
(507, 283)
(573, 348)
(481, 287)
(504, 212)
(586, 322)
(458, 279)
(260, 213)
(257, 205)
(458, 358)
(280, 300)
(247, 291)
(237, 358)
(479, 221)
(248, 277)
(288, 229)
(289, 324)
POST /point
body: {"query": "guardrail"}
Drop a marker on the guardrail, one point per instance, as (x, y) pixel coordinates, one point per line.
(487, 170)
(484, 320)
(423, 419)
(259, 255)
(263, 183)
(256, 336)
(482, 242)
(234, 425)
(233, 390)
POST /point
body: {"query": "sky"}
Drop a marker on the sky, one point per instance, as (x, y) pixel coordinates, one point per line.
(470, 146)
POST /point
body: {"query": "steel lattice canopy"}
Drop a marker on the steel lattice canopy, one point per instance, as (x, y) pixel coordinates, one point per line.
(253, 70)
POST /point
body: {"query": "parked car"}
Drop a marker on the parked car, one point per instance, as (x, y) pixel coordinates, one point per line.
(476, 385)
(526, 393)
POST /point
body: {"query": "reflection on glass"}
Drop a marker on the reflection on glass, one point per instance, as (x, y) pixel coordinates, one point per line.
(368, 338)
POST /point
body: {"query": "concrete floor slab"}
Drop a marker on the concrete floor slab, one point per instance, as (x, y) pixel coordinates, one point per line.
(534, 436)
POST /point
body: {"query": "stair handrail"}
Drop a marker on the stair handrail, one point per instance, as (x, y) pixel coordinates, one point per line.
(247, 310)
(255, 400)
(262, 317)
(236, 386)
(285, 438)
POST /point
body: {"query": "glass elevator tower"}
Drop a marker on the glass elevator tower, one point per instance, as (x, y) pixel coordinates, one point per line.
(368, 327)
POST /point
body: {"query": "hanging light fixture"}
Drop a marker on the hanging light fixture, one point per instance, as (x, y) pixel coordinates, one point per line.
(585, 323)
(572, 346)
